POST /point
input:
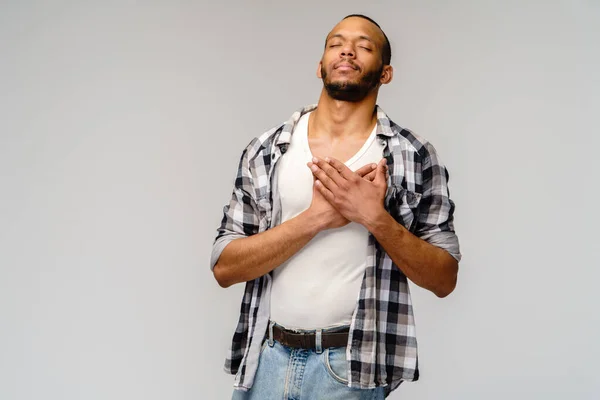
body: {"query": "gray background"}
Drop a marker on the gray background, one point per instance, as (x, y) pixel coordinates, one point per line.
(121, 127)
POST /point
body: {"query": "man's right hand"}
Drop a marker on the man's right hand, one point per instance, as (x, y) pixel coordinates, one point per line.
(324, 213)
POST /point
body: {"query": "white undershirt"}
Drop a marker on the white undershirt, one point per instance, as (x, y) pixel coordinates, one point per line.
(318, 286)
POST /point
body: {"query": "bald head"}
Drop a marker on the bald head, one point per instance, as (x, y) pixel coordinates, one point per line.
(384, 43)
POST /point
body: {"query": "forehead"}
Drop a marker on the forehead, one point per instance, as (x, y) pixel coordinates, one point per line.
(356, 26)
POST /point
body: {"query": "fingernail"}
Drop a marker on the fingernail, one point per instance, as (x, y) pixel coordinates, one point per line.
(315, 160)
(373, 166)
(326, 159)
(314, 168)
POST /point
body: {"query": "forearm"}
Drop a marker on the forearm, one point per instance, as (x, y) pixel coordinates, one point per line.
(426, 265)
(248, 258)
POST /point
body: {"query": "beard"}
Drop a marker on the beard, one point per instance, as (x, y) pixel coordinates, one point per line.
(352, 91)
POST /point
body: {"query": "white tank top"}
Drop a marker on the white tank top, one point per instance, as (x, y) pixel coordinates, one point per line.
(318, 287)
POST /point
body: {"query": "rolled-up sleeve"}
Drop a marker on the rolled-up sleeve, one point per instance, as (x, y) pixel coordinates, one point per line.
(435, 222)
(241, 217)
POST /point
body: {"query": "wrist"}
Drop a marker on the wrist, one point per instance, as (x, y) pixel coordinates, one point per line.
(309, 223)
(378, 220)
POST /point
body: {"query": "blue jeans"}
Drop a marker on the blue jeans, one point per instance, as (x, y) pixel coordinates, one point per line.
(298, 374)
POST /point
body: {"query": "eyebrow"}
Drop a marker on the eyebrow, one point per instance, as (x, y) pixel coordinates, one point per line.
(362, 37)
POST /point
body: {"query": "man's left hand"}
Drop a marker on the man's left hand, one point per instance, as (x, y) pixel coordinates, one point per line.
(357, 199)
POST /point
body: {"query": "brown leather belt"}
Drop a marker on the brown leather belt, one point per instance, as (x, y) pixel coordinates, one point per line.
(307, 340)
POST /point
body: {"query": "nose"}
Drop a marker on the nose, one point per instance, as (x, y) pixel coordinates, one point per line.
(348, 50)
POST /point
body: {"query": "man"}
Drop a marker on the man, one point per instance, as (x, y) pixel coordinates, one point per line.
(331, 213)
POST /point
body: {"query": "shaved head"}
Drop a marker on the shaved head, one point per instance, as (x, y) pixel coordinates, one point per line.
(386, 48)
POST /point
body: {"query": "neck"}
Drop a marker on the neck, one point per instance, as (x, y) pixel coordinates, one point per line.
(337, 118)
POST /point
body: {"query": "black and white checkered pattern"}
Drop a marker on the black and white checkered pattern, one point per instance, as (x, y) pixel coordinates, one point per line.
(382, 348)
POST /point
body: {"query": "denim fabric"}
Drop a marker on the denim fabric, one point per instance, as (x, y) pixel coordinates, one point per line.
(298, 374)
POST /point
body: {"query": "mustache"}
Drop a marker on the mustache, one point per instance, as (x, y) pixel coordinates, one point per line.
(346, 61)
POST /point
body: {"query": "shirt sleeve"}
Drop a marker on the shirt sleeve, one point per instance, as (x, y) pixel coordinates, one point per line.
(241, 217)
(435, 223)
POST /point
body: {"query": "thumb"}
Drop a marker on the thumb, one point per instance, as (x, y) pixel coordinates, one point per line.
(380, 177)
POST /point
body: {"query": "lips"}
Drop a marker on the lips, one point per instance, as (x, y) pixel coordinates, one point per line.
(345, 65)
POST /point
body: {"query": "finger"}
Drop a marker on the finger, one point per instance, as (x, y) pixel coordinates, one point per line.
(330, 171)
(324, 191)
(381, 172)
(366, 170)
(370, 176)
(322, 176)
(340, 168)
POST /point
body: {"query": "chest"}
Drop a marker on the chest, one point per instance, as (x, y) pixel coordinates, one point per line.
(340, 149)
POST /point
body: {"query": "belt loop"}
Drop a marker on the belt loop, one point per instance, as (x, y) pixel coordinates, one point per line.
(318, 342)
(271, 342)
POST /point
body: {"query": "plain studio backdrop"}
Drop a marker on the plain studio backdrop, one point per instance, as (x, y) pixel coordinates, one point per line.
(121, 128)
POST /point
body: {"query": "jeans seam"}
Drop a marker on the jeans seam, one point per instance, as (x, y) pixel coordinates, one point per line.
(286, 387)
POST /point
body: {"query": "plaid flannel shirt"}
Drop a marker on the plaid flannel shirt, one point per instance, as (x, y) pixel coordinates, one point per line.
(382, 345)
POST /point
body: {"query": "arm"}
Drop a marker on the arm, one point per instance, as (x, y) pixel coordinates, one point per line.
(428, 266)
(250, 257)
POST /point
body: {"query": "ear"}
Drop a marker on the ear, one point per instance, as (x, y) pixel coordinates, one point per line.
(386, 75)
(319, 70)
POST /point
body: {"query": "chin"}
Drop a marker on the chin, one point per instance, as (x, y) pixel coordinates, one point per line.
(343, 82)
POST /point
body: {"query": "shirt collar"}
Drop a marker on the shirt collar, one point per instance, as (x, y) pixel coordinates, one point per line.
(384, 124)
